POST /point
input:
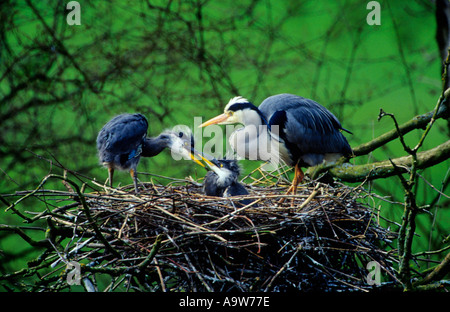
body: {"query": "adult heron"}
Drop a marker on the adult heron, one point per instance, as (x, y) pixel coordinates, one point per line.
(123, 141)
(291, 128)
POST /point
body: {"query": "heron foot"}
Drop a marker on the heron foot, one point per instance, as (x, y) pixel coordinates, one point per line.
(298, 178)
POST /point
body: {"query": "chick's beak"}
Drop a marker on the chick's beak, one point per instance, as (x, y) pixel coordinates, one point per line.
(197, 156)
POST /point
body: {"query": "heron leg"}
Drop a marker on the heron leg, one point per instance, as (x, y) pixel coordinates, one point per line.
(133, 174)
(110, 175)
(298, 177)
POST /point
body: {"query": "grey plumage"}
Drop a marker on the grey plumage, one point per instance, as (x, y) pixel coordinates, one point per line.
(119, 142)
(307, 128)
(286, 127)
(222, 180)
(123, 141)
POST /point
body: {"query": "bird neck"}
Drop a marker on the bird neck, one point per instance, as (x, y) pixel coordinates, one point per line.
(253, 117)
(152, 146)
(224, 177)
(252, 142)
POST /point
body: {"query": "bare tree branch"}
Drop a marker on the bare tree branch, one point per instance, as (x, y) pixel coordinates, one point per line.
(384, 169)
(62, 48)
(438, 273)
(418, 122)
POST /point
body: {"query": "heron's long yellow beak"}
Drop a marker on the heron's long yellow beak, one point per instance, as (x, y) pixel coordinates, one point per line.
(196, 156)
(216, 120)
(196, 160)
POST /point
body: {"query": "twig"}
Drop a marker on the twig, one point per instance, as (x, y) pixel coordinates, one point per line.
(438, 273)
(310, 197)
(88, 214)
(19, 231)
(152, 253)
(284, 267)
(399, 133)
(62, 48)
(444, 97)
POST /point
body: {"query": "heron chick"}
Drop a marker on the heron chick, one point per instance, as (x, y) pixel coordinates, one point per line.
(222, 179)
(123, 141)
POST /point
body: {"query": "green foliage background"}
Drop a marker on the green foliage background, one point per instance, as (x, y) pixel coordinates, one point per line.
(174, 60)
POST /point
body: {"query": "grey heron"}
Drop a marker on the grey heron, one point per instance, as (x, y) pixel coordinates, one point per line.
(294, 129)
(123, 141)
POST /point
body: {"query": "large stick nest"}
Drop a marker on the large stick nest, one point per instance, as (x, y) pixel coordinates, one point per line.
(173, 238)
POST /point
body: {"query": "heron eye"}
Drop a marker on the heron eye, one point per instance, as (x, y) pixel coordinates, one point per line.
(221, 165)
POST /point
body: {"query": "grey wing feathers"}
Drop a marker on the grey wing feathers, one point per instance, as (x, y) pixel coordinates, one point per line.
(319, 137)
(306, 124)
(308, 111)
(123, 133)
